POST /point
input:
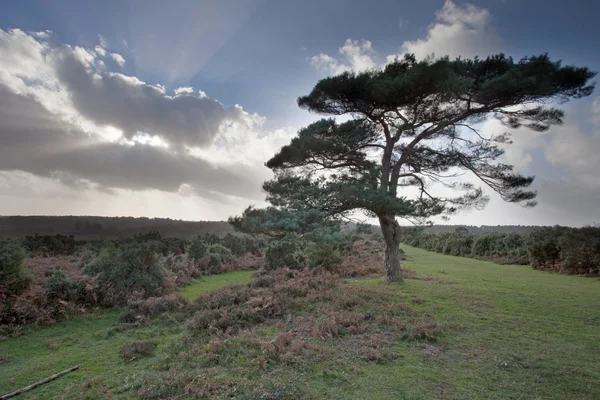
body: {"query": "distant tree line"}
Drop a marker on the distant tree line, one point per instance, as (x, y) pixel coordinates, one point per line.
(88, 227)
(560, 249)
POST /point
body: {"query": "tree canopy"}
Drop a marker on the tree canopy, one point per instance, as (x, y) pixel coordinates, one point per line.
(414, 124)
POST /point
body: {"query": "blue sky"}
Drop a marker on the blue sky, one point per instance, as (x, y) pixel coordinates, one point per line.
(262, 55)
(251, 52)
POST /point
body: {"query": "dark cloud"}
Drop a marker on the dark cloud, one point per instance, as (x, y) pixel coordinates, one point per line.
(35, 141)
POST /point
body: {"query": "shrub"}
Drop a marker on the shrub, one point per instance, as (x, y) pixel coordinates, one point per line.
(580, 251)
(51, 245)
(173, 246)
(458, 244)
(223, 252)
(214, 263)
(184, 268)
(287, 252)
(131, 268)
(489, 245)
(14, 278)
(323, 254)
(139, 310)
(569, 250)
(197, 249)
(234, 243)
(61, 287)
(543, 249)
(272, 294)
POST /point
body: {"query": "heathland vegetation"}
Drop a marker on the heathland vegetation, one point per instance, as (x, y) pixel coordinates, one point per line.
(559, 249)
(456, 328)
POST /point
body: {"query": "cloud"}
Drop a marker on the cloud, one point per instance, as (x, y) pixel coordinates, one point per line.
(355, 56)
(575, 149)
(465, 31)
(596, 110)
(103, 41)
(100, 51)
(74, 82)
(67, 154)
(118, 59)
(565, 161)
(68, 121)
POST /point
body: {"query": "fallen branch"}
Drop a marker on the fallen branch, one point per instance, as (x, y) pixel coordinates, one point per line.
(32, 386)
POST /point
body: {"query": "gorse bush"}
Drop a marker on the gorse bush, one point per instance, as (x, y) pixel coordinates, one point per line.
(287, 252)
(197, 249)
(235, 244)
(14, 278)
(458, 245)
(568, 250)
(489, 245)
(63, 288)
(133, 268)
(218, 249)
(580, 251)
(51, 245)
(326, 255)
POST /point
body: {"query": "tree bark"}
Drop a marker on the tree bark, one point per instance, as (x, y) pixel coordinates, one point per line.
(391, 235)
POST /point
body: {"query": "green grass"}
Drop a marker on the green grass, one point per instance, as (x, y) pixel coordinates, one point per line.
(212, 282)
(509, 333)
(93, 342)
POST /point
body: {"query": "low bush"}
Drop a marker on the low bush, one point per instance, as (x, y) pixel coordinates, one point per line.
(197, 249)
(14, 278)
(47, 245)
(287, 252)
(139, 310)
(272, 294)
(132, 268)
(459, 245)
(63, 288)
(324, 255)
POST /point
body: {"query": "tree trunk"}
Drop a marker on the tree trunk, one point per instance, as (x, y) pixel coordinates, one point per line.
(391, 234)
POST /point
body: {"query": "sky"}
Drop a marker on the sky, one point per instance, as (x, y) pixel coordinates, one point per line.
(170, 109)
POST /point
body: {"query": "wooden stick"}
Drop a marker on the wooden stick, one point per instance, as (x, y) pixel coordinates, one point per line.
(27, 388)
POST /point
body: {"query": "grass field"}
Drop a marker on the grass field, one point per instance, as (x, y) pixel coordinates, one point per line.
(509, 333)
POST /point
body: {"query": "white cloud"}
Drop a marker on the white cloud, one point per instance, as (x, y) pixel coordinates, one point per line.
(184, 91)
(465, 31)
(118, 59)
(103, 41)
(355, 56)
(100, 50)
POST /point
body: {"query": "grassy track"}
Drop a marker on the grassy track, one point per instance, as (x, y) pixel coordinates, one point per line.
(509, 333)
(212, 282)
